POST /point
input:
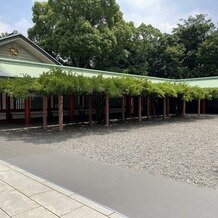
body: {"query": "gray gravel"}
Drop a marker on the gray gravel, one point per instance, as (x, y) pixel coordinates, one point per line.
(181, 149)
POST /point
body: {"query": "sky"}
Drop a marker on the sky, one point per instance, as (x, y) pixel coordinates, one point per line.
(162, 14)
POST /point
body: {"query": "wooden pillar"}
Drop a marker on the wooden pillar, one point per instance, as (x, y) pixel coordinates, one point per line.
(183, 108)
(140, 109)
(8, 108)
(203, 106)
(44, 111)
(0, 101)
(164, 108)
(148, 107)
(123, 108)
(168, 106)
(107, 110)
(90, 110)
(49, 113)
(27, 112)
(128, 106)
(199, 107)
(60, 113)
(71, 107)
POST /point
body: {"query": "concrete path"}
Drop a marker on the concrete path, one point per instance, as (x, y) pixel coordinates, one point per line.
(134, 194)
(24, 195)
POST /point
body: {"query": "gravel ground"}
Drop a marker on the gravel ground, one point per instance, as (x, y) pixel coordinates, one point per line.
(181, 149)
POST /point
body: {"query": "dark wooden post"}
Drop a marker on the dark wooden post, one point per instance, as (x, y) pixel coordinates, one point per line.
(44, 111)
(203, 106)
(148, 107)
(164, 108)
(27, 103)
(128, 106)
(71, 108)
(8, 108)
(107, 110)
(183, 108)
(123, 108)
(0, 101)
(49, 109)
(90, 110)
(168, 106)
(199, 107)
(60, 113)
(140, 109)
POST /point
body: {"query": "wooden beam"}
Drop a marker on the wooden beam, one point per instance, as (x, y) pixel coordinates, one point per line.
(107, 110)
(139, 109)
(71, 107)
(60, 113)
(148, 107)
(90, 110)
(27, 111)
(164, 108)
(123, 108)
(199, 107)
(44, 111)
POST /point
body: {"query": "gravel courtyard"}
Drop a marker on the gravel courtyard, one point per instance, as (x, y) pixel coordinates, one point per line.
(181, 149)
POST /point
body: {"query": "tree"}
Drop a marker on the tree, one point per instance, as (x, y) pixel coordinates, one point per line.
(207, 56)
(75, 32)
(191, 34)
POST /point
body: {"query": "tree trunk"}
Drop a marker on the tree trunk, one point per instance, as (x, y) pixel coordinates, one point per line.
(90, 110)
(139, 109)
(107, 110)
(60, 113)
(44, 112)
(123, 108)
(27, 103)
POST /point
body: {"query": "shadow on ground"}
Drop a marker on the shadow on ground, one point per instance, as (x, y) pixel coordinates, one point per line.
(36, 135)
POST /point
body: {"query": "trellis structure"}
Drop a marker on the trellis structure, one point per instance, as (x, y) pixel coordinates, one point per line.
(132, 90)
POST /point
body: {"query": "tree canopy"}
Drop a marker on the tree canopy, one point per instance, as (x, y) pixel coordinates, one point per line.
(93, 34)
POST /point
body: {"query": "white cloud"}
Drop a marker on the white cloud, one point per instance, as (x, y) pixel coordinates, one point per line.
(162, 14)
(4, 27)
(39, 0)
(21, 26)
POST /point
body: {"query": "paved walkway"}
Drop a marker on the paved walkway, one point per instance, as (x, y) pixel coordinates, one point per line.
(24, 195)
(134, 194)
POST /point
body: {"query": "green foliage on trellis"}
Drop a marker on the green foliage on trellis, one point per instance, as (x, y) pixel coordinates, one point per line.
(56, 82)
(19, 87)
(211, 93)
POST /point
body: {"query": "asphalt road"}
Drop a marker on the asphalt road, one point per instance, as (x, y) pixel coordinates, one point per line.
(134, 194)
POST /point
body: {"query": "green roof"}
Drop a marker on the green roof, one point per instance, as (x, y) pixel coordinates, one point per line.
(203, 82)
(18, 68)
